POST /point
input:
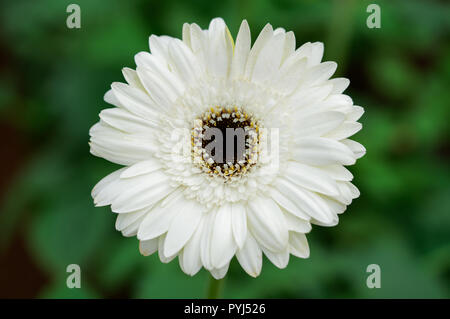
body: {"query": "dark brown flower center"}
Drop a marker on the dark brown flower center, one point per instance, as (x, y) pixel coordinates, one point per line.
(225, 142)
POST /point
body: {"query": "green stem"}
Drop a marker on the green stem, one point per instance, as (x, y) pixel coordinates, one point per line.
(214, 287)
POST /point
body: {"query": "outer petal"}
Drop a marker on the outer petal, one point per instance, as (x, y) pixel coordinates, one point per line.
(223, 245)
(128, 122)
(190, 261)
(142, 194)
(241, 51)
(279, 259)
(269, 59)
(182, 227)
(298, 245)
(311, 178)
(135, 100)
(141, 168)
(288, 201)
(159, 46)
(357, 149)
(105, 186)
(205, 244)
(220, 49)
(119, 147)
(297, 224)
(322, 151)
(158, 220)
(318, 124)
(164, 258)
(148, 247)
(183, 62)
(125, 220)
(239, 223)
(267, 223)
(265, 35)
(310, 202)
(250, 256)
(219, 273)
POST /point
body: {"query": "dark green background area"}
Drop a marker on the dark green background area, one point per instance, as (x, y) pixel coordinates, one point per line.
(52, 83)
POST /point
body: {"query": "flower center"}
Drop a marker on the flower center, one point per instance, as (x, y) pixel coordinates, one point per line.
(225, 142)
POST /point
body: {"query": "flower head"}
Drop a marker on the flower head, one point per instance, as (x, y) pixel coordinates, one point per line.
(228, 149)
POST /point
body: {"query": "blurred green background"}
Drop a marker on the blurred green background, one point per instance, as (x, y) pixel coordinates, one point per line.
(52, 83)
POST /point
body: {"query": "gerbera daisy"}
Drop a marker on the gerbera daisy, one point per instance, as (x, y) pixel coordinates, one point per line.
(182, 197)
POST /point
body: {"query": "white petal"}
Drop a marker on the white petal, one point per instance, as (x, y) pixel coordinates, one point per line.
(347, 192)
(288, 201)
(132, 78)
(318, 124)
(182, 227)
(306, 99)
(296, 224)
(119, 147)
(159, 46)
(309, 202)
(345, 130)
(205, 244)
(219, 273)
(148, 247)
(143, 194)
(269, 59)
(289, 45)
(267, 223)
(199, 44)
(357, 149)
(125, 121)
(141, 168)
(312, 51)
(223, 245)
(108, 189)
(335, 206)
(190, 261)
(311, 178)
(164, 258)
(279, 259)
(320, 73)
(316, 53)
(106, 182)
(250, 256)
(289, 76)
(220, 49)
(339, 85)
(241, 51)
(158, 90)
(322, 151)
(186, 36)
(131, 230)
(157, 67)
(125, 220)
(183, 62)
(158, 220)
(110, 98)
(135, 100)
(239, 223)
(265, 35)
(337, 172)
(355, 114)
(298, 245)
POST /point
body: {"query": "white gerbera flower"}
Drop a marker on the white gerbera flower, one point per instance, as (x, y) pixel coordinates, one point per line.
(182, 200)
